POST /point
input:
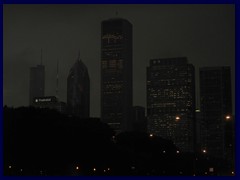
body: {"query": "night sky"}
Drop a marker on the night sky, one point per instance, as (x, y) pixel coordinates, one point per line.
(205, 34)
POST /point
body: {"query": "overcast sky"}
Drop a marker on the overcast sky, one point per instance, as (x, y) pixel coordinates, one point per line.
(205, 34)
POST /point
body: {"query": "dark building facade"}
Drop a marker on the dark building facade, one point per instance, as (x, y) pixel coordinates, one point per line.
(78, 90)
(216, 111)
(198, 121)
(138, 119)
(116, 73)
(37, 83)
(171, 101)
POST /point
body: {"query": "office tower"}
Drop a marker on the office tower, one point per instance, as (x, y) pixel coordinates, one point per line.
(138, 119)
(171, 101)
(116, 73)
(216, 110)
(37, 82)
(78, 90)
(198, 122)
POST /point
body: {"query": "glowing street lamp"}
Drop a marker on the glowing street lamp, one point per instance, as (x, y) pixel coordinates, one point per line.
(227, 117)
(94, 169)
(151, 135)
(211, 169)
(177, 118)
(77, 168)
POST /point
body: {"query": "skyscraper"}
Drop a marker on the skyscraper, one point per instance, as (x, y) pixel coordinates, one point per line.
(198, 121)
(116, 73)
(37, 82)
(138, 119)
(78, 90)
(171, 101)
(216, 111)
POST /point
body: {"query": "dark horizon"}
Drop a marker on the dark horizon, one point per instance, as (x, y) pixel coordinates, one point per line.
(205, 34)
(92, 148)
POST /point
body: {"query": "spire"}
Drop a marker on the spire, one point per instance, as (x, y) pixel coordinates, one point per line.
(79, 56)
(57, 81)
(41, 56)
(197, 102)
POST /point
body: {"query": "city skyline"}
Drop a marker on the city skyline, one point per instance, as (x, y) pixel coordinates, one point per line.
(212, 43)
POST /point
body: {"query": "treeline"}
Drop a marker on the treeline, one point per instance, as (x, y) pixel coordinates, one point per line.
(45, 142)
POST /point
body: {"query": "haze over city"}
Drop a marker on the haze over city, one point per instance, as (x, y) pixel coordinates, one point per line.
(205, 34)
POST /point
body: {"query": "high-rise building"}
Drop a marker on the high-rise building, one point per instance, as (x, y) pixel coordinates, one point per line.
(198, 129)
(116, 73)
(37, 83)
(138, 119)
(171, 101)
(216, 111)
(78, 90)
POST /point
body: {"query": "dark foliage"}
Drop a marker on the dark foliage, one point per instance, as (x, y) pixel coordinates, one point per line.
(45, 142)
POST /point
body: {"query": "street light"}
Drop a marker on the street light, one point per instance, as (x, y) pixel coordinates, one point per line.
(177, 118)
(227, 117)
(151, 135)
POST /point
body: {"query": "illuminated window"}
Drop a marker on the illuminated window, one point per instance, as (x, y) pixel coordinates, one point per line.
(104, 64)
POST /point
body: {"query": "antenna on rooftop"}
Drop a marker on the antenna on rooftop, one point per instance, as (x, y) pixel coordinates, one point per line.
(41, 56)
(57, 80)
(197, 102)
(79, 55)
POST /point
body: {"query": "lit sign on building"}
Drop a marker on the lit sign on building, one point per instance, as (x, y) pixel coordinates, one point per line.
(112, 36)
(45, 99)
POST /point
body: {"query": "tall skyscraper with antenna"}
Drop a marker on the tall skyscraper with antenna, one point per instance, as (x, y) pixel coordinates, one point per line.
(37, 81)
(78, 90)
